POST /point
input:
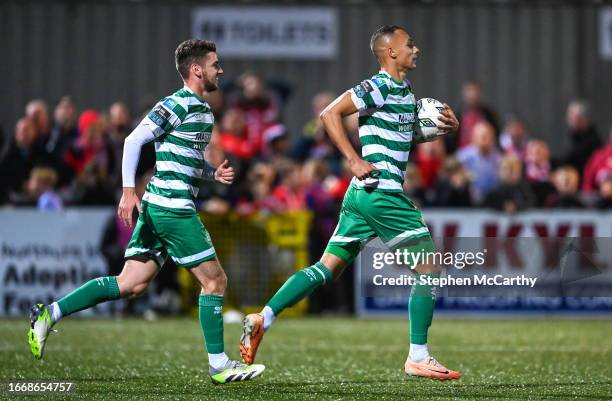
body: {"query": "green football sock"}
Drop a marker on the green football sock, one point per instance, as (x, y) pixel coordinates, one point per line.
(420, 309)
(211, 321)
(299, 286)
(91, 293)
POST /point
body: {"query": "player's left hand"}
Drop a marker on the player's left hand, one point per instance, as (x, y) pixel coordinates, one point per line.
(449, 122)
(224, 173)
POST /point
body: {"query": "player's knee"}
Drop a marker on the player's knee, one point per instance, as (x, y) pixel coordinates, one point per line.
(427, 269)
(139, 289)
(334, 264)
(215, 285)
(131, 289)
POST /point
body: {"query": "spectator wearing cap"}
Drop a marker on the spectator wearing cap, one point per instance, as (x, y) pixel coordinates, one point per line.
(276, 148)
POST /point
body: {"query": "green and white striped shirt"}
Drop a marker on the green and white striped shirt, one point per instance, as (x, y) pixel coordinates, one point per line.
(182, 124)
(387, 117)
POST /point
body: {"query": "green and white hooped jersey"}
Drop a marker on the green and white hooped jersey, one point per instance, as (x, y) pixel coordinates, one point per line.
(182, 124)
(387, 117)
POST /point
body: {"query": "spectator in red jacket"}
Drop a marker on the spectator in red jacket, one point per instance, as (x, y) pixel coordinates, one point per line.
(290, 193)
(598, 166)
(429, 158)
(604, 202)
(261, 109)
(233, 136)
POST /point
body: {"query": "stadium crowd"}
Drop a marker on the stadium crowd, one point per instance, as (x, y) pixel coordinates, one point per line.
(74, 158)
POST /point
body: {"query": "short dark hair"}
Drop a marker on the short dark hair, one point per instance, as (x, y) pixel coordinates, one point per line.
(189, 52)
(382, 31)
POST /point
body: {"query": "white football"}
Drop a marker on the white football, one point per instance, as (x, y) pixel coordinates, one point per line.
(428, 111)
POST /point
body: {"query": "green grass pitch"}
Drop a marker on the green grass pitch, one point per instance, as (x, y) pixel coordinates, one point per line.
(321, 359)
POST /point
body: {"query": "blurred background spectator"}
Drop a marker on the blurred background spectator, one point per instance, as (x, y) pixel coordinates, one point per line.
(473, 110)
(19, 160)
(598, 166)
(453, 188)
(260, 106)
(537, 170)
(514, 137)
(512, 194)
(481, 159)
(273, 169)
(41, 189)
(38, 111)
(583, 136)
(566, 181)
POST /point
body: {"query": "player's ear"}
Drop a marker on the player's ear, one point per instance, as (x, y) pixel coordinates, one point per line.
(196, 70)
(392, 52)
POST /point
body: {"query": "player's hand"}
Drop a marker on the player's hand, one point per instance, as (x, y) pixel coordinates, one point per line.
(129, 201)
(224, 173)
(449, 122)
(361, 168)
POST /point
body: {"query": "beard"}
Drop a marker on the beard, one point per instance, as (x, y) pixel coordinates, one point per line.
(209, 85)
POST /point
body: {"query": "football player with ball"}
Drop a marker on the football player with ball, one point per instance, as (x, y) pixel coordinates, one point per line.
(390, 123)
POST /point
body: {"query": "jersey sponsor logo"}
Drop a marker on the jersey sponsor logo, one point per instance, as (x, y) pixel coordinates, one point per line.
(363, 88)
(203, 136)
(169, 103)
(159, 115)
(406, 118)
(379, 82)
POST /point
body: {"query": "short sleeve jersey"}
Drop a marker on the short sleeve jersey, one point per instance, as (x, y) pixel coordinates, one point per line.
(387, 120)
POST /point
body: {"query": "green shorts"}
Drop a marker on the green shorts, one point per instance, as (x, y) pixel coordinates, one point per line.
(161, 232)
(391, 216)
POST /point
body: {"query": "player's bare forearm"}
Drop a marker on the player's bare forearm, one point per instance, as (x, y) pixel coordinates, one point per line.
(332, 122)
(331, 118)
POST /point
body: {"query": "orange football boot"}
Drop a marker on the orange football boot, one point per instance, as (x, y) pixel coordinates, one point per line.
(430, 368)
(252, 334)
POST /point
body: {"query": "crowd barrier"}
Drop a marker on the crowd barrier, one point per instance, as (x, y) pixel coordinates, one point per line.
(45, 255)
